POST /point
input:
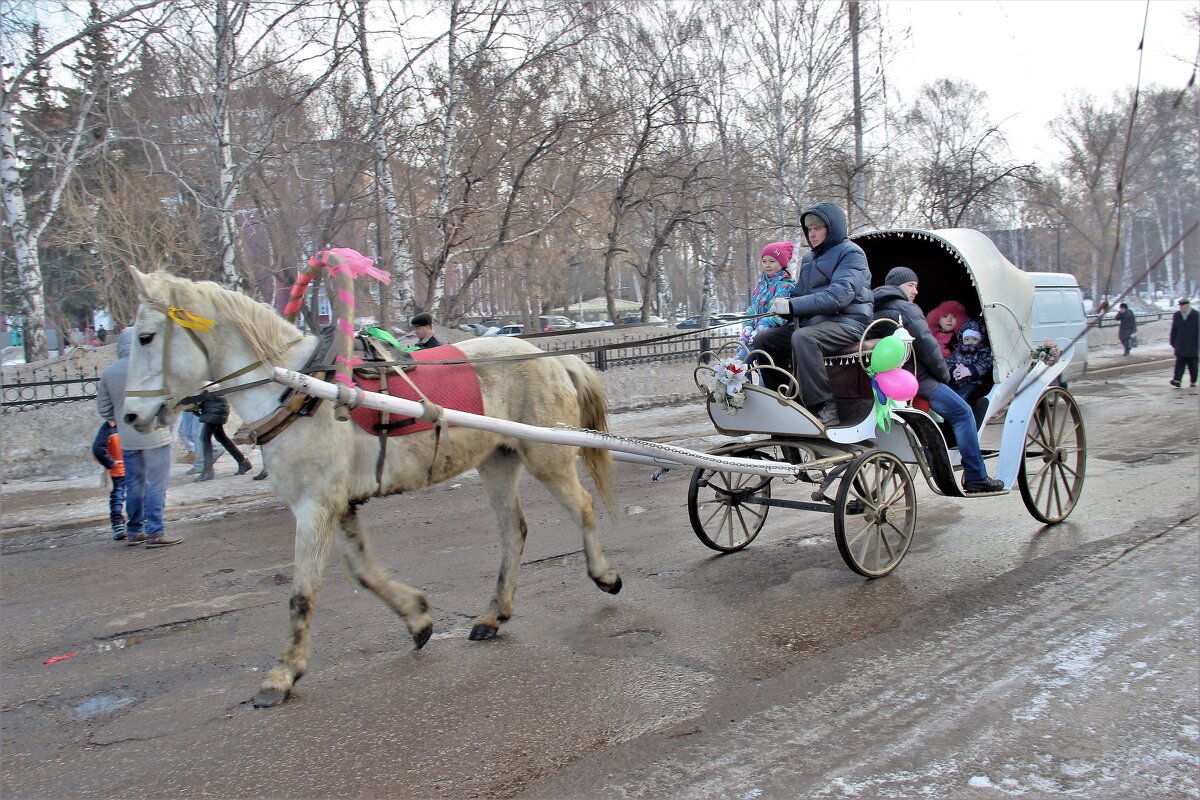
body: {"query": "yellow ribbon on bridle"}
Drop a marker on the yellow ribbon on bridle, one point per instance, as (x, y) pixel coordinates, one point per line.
(187, 319)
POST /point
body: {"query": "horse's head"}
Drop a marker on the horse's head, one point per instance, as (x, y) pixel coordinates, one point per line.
(167, 359)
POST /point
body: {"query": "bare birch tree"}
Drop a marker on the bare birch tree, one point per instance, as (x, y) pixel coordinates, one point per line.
(64, 155)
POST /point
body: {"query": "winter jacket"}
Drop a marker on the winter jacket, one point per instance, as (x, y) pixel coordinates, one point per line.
(977, 358)
(1127, 322)
(834, 282)
(767, 289)
(106, 448)
(1185, 334)
(212, 409)
(947, 339)
(110, 401)
(892, 303)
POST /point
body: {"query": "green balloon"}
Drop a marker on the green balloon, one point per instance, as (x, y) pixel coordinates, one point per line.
(888, 354)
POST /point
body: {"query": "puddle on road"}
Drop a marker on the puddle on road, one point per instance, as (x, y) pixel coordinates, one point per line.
(104, 704)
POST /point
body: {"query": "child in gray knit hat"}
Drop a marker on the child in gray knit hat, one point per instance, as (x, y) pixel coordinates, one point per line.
(971, 362)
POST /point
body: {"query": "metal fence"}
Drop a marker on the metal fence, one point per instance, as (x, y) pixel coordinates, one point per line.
(610, 356)
(47, 386)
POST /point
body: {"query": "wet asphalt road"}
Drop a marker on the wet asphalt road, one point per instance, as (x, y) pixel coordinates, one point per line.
(1001, 658)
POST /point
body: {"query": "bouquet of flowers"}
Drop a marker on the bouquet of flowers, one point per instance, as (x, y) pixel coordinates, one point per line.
(732, 374)
(1048, 353)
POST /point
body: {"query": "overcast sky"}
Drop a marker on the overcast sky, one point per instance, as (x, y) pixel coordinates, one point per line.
(1030, 54)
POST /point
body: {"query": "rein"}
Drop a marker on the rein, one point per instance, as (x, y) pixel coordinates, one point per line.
(554, 354)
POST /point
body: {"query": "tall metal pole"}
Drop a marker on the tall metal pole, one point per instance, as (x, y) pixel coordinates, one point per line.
(1058, 248)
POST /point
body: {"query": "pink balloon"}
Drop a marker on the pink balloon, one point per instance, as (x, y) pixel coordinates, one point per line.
(898, 384)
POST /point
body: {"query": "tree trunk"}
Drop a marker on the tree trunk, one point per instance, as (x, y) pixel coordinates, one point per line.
(441, 204)
(24, 240)
(401, 268)
(227, 191)
(858, 184)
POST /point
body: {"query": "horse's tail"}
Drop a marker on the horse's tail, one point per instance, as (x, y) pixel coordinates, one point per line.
(593, 414)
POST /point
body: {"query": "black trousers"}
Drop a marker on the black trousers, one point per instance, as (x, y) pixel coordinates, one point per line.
(208, 432)
(1185, 361)
(805, 349)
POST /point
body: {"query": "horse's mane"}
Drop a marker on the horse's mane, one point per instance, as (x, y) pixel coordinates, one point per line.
(268, 334)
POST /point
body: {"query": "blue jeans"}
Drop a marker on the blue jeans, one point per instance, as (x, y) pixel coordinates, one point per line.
(946, 402)
(146, 474)
(189, 430)
(116, 502)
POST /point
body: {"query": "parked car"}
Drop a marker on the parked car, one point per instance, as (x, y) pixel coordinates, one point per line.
(594, 323)
(473, 327)
(636, 319)
(554, 323)
(511, 330)
(691, 322)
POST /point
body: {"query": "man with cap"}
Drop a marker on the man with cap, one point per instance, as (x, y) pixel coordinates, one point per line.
(830, 307)
(422, 325)
(1185, 338)
(895, 301)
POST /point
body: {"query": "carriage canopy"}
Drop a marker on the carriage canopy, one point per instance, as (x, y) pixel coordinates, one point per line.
(962, 264)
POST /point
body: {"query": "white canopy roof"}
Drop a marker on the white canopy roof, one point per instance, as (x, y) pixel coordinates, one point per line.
(1005, 292)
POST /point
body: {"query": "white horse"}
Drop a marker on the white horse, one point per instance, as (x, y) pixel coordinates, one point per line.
(324, 469)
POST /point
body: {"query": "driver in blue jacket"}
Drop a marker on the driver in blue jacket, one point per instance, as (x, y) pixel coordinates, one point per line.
(830, 307)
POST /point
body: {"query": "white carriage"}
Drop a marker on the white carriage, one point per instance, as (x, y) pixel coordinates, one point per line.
(863, 474)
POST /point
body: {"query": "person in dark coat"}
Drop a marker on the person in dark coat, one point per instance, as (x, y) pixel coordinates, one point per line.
(971, 362)
(213, 411)
(1185, 338)
(422, 325)
(830, 307)
(895, 300)
(1127, 330)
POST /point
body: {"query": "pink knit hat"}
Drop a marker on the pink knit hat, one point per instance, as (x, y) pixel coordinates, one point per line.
(780, 251)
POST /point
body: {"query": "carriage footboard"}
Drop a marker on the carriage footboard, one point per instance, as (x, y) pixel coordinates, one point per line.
(933, 455)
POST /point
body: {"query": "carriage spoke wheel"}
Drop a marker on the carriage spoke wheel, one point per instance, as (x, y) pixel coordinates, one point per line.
(875, 513)
(1051, 476)
(719, 504)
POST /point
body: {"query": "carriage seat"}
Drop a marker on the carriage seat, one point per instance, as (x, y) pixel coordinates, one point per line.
(847, 377)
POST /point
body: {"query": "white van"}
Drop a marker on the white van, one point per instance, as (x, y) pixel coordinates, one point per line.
(1059, 314)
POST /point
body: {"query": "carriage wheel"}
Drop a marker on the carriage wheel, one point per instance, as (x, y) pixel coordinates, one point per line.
(875, 515)
(1051, 477)
(718, 508)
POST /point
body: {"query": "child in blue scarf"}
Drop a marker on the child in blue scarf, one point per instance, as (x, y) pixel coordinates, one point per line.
(775, 281)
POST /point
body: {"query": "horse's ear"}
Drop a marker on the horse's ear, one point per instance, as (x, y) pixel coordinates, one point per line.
(140, 281)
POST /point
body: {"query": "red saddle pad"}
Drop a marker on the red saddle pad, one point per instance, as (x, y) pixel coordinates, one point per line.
(449, 385)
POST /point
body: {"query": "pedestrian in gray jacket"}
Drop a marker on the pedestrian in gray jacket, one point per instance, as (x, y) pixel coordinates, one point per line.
(830, 307)
(147, 456)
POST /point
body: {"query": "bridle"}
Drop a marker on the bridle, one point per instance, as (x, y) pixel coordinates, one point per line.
(192, 325)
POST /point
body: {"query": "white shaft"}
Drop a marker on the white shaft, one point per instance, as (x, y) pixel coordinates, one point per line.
(660, 454)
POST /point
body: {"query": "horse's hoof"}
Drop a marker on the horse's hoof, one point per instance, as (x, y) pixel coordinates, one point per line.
(270, 697)
(422, 636)
(613, 588)
(481, 632)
